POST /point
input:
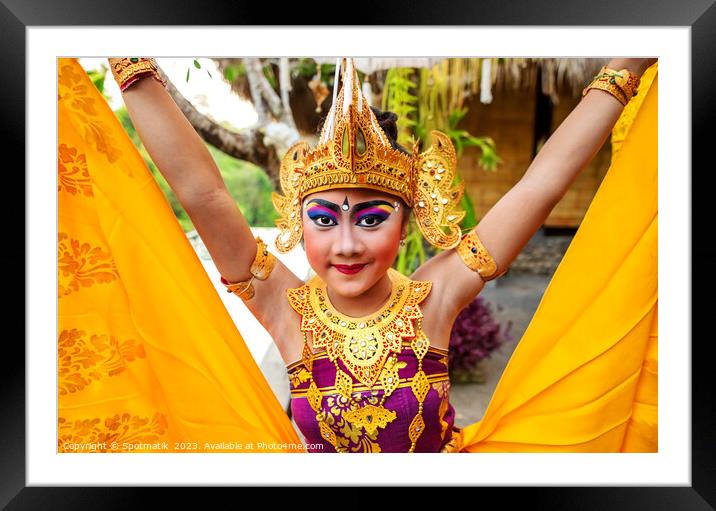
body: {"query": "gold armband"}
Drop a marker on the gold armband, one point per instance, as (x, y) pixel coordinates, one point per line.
(477, 258)
(621, 84)
(261, 268)
(126, 71)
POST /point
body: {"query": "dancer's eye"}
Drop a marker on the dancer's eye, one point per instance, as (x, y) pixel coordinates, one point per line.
(323, 220)
(370, 221)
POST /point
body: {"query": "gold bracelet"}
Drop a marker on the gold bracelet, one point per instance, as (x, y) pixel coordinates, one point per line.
(261, 267)
(607, 87)
(126, 71)
(476, 257)
(621, 84)
(264, 261)
(243, 289)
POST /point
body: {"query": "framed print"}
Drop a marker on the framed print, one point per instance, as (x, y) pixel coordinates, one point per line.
(39, 41)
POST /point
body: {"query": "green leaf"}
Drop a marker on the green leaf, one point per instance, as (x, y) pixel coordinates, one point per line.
(187, 73)
(196, 64)
(97, 78)
(478, 140)
(230, 74)
(306, 68)
(469, 221)
(421, 132)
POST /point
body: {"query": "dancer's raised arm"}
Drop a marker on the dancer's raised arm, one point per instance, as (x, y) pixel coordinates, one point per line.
(182, 158)
(512, 221)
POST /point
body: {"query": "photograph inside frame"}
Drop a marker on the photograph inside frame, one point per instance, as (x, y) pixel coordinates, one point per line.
(406, 255)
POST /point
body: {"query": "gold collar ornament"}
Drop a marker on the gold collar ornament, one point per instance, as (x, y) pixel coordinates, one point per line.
(353, 151)
(363, 344)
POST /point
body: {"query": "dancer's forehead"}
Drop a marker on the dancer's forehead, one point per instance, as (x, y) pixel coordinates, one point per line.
(350, 196)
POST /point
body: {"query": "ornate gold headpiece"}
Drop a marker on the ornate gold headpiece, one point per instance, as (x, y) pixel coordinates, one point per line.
(353, 151)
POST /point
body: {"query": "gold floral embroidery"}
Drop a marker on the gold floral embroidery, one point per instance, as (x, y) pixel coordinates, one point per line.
(370, 417)
(300, 376)
(443, 390)
(78, 93)
(72, 173)
(350, 436)
(80, 264)
(83, 361)
(112, 432)
(455, 442)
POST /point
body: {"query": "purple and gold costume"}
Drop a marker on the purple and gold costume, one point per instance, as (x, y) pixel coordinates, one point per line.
(438, 413)
(378, 386)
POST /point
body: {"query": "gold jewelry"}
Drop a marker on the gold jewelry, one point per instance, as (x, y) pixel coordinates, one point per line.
(353, 151)
(126, 71)
(621, 84)
(476, 257)
(264, 262)
(242, 289)
(261, 267)
(368, 347)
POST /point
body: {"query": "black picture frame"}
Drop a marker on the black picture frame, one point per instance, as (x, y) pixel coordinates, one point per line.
(699, 15)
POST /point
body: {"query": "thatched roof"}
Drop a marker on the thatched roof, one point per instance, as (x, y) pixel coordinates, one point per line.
(576, 73)
(504, 73)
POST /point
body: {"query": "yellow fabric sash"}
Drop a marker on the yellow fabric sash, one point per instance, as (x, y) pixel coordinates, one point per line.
(149, 359)
(583, 378)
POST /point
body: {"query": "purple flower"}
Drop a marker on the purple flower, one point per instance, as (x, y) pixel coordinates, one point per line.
(475, 334)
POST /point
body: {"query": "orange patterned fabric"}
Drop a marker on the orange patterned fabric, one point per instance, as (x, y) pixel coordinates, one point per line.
(142, 367)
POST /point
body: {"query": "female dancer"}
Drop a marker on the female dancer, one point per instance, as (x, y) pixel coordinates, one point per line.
(365, 347)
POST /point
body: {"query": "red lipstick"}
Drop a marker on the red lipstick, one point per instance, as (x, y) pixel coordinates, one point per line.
(349, 268)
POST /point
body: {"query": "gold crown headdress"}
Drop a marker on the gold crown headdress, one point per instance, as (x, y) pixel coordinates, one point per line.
(353, 151)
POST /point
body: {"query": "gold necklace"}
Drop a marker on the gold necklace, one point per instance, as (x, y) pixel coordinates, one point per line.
(367, 346)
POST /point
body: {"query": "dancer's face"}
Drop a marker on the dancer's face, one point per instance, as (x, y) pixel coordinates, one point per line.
(348, 226)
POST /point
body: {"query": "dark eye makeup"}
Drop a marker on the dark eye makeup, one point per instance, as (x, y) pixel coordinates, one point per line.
(367, 214)
(328, 221)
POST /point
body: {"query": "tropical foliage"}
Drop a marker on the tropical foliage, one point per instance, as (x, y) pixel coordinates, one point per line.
(432, 103)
